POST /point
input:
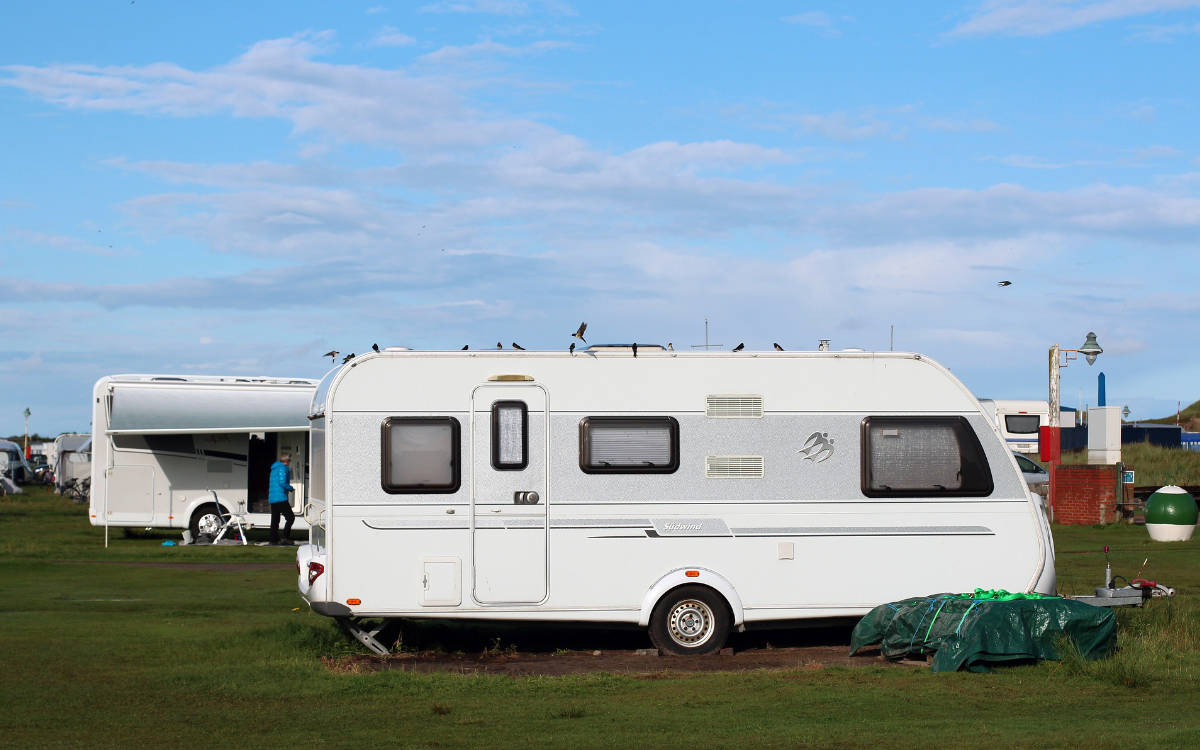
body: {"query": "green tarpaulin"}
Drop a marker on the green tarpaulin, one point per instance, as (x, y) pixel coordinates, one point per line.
(971, 631)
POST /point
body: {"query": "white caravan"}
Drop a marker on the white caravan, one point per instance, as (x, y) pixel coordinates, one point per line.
(166, 448)
(71, 458)
(17, 468)
(689, 493)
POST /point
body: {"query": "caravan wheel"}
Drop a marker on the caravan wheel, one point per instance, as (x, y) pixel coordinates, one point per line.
(205, 521)
(690, 620)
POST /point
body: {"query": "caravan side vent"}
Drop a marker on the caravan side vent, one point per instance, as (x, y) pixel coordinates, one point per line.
(733, 467)
(733, 407)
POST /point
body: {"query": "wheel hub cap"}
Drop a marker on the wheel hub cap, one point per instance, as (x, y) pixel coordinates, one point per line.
(691, 623)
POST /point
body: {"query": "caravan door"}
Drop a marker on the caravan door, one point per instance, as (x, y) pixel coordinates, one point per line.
(508, 494)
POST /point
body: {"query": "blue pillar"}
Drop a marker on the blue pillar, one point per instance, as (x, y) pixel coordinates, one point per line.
(1100, 400)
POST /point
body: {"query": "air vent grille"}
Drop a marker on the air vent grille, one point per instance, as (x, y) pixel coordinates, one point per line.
(735, 406)
(733, 467)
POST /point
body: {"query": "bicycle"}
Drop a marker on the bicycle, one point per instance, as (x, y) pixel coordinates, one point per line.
(78, 490)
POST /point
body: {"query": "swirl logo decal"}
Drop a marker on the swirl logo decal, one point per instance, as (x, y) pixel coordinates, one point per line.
(817, 448)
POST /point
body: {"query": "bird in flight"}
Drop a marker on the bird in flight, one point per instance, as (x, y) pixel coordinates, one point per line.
(778, 348)
(332, 354)
(518, 347)
(579, 334)
(635, 351)
(572, 349)
(740, 347)
(375, 347)
(1003, 283)
(347, 358)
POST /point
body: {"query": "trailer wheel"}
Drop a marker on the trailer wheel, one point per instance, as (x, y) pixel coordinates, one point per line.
(690, 620)
(206, 521)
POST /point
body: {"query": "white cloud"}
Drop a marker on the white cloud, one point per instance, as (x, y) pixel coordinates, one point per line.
(817, 19)
(1043, 17)
(376, 9)
(390, 37)
(1165, 34)
(492, 7)
(843, 126)
(490, 49)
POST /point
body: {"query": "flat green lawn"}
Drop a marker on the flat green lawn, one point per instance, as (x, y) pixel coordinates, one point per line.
(105, 648)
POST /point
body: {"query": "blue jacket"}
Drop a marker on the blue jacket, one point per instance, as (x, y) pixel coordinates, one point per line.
(281, 482)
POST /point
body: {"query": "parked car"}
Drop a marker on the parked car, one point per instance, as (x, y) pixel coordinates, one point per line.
(1034, 475)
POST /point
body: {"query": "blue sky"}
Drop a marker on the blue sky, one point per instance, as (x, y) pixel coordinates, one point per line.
(210, 188)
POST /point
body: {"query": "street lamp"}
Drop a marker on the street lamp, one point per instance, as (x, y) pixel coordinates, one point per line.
(27, 413)
(1059, 358)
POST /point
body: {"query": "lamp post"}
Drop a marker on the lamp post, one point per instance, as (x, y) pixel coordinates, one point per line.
(27, 413)
(1059, 358)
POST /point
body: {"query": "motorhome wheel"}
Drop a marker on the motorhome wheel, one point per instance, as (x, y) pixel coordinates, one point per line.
(205, 521)
(690, 620)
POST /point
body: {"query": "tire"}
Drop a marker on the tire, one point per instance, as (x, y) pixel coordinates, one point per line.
(205, 521)
(690, 620)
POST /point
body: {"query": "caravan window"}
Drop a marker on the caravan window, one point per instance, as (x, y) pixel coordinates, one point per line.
(927, 456)
(1021, 424)
(629, 445)
(510, 435)
(420, 455)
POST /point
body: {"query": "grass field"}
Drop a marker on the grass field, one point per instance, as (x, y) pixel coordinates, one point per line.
(105, 648)
(1153, 464)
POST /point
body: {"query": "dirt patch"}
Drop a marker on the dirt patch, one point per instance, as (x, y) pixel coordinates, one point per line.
(645, 663)
(539, 648)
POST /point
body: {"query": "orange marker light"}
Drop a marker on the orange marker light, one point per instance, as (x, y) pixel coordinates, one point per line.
(692, 573)
(354, 601)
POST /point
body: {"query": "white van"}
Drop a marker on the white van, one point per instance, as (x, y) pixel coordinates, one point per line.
(168, 449)
(686, 492)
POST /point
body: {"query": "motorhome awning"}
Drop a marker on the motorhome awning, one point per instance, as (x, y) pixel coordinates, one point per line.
(141, 409)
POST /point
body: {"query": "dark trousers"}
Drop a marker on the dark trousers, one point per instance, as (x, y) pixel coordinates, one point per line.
(281, 508)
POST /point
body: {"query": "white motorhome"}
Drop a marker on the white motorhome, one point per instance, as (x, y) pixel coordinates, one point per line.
(689, 493)
(166, 449)
(1019, 421)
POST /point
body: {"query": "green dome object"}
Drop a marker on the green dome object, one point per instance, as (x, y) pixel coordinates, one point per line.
(1171, 505)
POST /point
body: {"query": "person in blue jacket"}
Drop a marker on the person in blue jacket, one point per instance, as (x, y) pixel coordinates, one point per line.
(277, 494)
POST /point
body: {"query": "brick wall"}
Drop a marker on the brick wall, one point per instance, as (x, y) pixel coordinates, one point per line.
(1083, 494)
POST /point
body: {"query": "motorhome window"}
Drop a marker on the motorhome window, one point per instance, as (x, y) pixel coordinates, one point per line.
(926, 456)
(628, 445)
(510, 435)
(1021, 424)
(420, 455)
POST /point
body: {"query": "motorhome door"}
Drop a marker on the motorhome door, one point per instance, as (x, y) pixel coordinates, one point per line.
(508, 494)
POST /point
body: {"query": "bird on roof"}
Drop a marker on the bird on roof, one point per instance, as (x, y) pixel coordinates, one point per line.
(518, 347)
(1003, 283)
(579, 334)
(347, 358)
(332, 354)
(670, 347)
(572, 349)
(499, 345)
(778, 348)
(465, 347)
(375, 347)
(740, 347)
(635, 351)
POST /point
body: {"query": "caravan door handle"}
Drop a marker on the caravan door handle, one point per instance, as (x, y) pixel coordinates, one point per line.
(526, 497)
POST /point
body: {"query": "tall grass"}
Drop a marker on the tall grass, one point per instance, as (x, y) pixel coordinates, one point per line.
(1153, 464)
